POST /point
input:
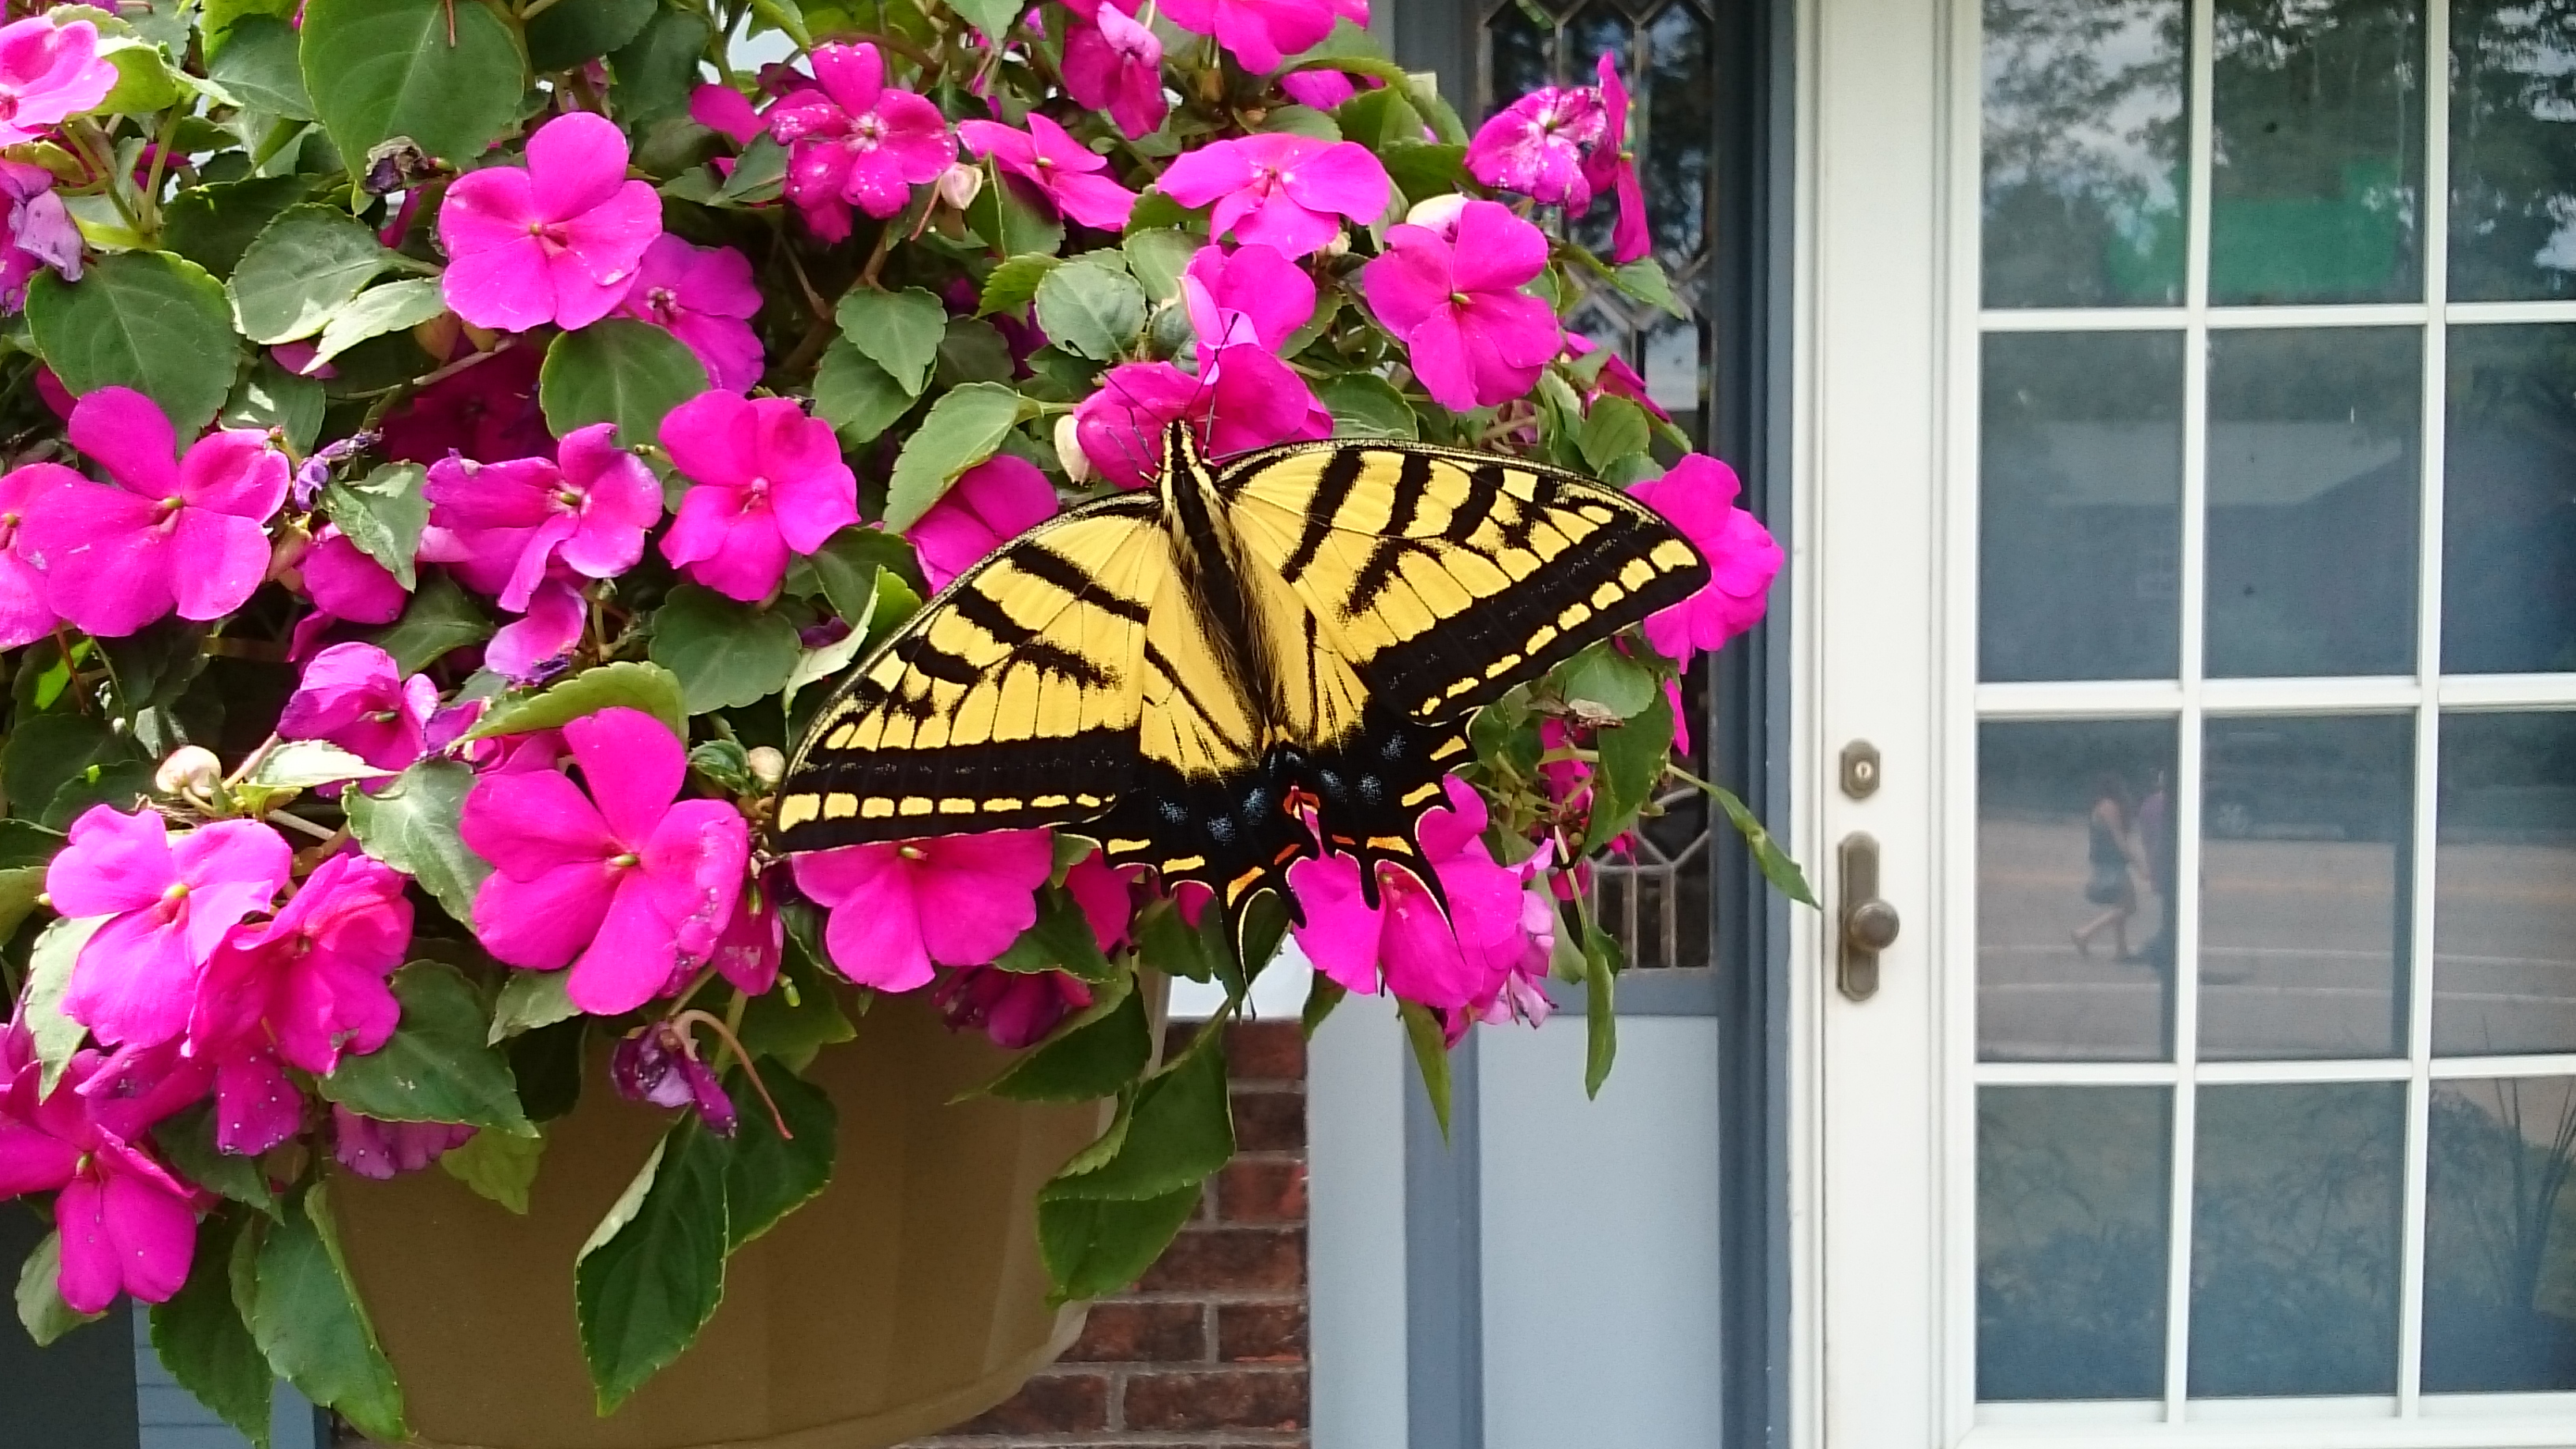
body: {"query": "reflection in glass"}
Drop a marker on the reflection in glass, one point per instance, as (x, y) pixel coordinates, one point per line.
(2513, 150)
(2080, 505)
(2305, 853)
(2071, 1208)
(2312, 501)
(2084, 153)
(2317, 178)
(1674, 109)
(2500, 1237)
(2075, 867)
(2294, 1229)
(2509, 500)
(2504, 894)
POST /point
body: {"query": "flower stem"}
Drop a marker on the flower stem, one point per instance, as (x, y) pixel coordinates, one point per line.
(734, 1044)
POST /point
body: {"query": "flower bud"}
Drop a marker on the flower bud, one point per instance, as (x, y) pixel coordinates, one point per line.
(1340, 245)
(768, 766)
(190, 770)
(959, 184)
(1068, 451)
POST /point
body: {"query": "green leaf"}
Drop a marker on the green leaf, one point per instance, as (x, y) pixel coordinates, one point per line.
(630, 683)
(1167, 942)
(411, 825)
(548, 1063)
(768, 1176)
(303, 764)
(1090, 306)
(725, 654)
(531, 1000)
(501, 1166)
(20, 888)
(41, 1308)
(220, 16)
(961, 430)
(1603, 676)
(1616, 428)
(306, 1317)
(259, 65)
(1010, 219)
(858, 398)
(269, 396)
(1014, 283)
(1600, 1011)
(1323, 994)
(146, 320)
(848, 563)
(757, 173)
(1633, 757)
(187, 1143)
(657, 69)
(378, 69)
(1094, 1054)
(309, 263)
(49, 978)
(1158, 256)
(1423, 169)
(617, 371)
(144, 81)
(1430, 1045)
(898, 331)
(1777, 867)
(439, 617)
(1061, 940)
(1644, 280)
(213, 225)
(393, 307)
(797, 1018)
(439, 1065)
(1365, 405)
(1094, 1248)
(993, 17)
(200, 1338)
(568, 32)
(383, 514)
(653, 1272)
(1377, 117)
(972, 350)
(51, 750)
(1182, 1129)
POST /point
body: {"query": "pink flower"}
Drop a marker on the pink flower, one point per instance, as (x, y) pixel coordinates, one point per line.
(1015, 1008)
(1404, 940)
(1280, 190)
(1047, 157)
(753, 942)
(171, 533)
(381, 1150)
(533, 645)
(705, 297)
(855, 140)
(631, 890)
(1475, 338)
(346, 582)
(1698, 495)
(770, 481)
(519, 516)
(355, 696)
(1538, 144)
(127, 1225)
(557, 241)
(957, 900)
(727, 112)
(991, 503)
(1613, 167)
(1323, 89)
(1253, 295)
(1259, 32)
(1114, 64)
(1615, 379)
(36, 230)
(1254, 399)
(1105, 899)
(488, 412)
(25, 616)
(48, 73)
(297, 992)
(658, 1064)
(168, 906)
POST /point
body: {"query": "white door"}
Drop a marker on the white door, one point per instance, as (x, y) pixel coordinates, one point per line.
(2190, 522)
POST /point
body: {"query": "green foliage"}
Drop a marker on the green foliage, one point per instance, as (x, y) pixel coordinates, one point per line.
(501, 1166)
(439, 1065)
(411, 825)
(1091, 306)
(617, 371)
(200, 1338)
(306, 1318)
(41, 1309)
(628, 683)
(963, 429)
(150, 321)
(309, 263)
(898, 331)
(1094, 1054)
(383, 514)
(377, 69)
(724, 654)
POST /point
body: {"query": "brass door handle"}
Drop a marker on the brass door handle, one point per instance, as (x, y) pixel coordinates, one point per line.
(1869, 924)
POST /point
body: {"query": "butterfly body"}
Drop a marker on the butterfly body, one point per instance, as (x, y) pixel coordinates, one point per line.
(1209, 676)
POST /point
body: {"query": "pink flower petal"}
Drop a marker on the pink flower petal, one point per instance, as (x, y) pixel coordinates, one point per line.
(631, 958)
(527, 823)
(633, 766)
(130, 434)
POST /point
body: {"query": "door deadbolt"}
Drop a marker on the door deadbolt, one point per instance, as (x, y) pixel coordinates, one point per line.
(1869, 924)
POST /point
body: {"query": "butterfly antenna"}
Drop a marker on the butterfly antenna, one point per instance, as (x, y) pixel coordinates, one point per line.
(1135, 409)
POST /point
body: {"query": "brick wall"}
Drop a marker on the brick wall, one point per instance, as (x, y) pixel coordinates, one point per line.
(1209, 1349)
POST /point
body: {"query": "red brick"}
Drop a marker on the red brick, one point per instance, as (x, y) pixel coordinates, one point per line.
(1261, 1332)
(1236, 1260)
(1050, 1403)
(1219, 1399)
(1253, 1190)
(1266, 1121)
(1265, 1051)
(1142, 1333)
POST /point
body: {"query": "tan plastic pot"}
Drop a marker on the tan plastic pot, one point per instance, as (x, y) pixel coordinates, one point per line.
(906, 1298)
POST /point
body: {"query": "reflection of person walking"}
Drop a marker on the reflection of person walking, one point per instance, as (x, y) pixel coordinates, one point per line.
(2155, 842)
(2110, 853)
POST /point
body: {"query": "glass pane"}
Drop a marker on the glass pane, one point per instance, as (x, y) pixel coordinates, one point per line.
(2312, 501)
(2072, 1198)
(2513, 150)
(2294, 1227)
(1520, 53)
(2504, 894)
(2509, 500)
(1675, 110)
(2084, 152)
(2500, 1238)
(2305, 854)
(2317, 179)
(2075, 866)
(2080, 506)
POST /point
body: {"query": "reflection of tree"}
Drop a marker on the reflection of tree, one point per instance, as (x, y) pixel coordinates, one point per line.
(2496, 1315)
(2513, 148)
(2084, 146)
(2509, 499)
(2070, 1242)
